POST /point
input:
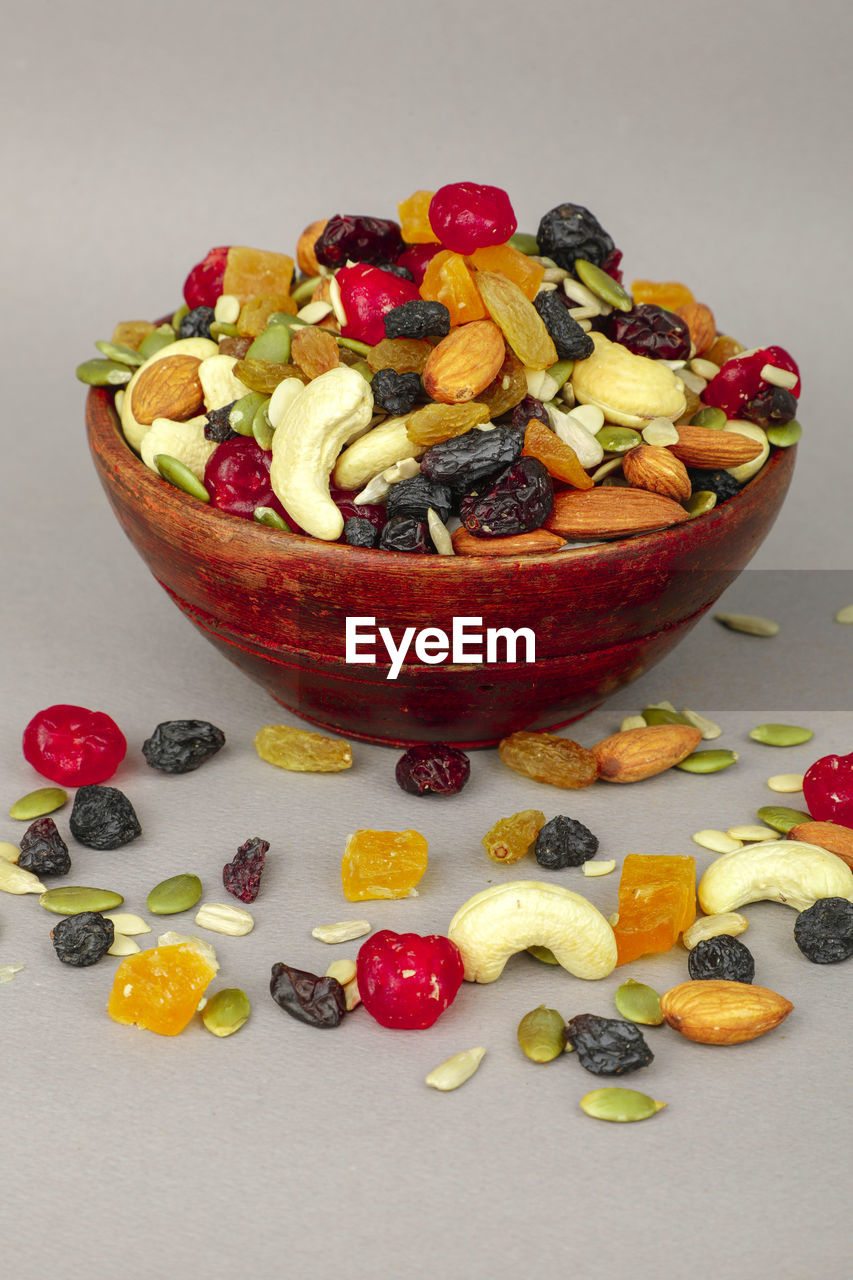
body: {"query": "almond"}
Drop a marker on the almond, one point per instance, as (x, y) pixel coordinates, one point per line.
(704, 447)
(306, 258)
(168, 388)
(658, 470)
(522, 544)
(635, 754)
(827, 835)
(465, 362)
(701, 323)
(714, 1011)
(611, 512)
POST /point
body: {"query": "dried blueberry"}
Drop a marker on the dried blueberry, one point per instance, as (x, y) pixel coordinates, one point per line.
(718, 482)
(196, 323)
(81, 940)
(320, 1002)
(564, 842)
(721, 957)
(468, 459)
(43, 851)
(824, 931)
(394, 269)
(103, 818)
(772, 406)
(401, 533)
(395, 392)
(418, 320)
(242, 876)
(179, 746)
(529, 408)
(519, 500)
(415, 496)
(359, 532)
(569, 338)
(607, 1046)
(359, 239)
(433, 768)
(218, 425)
(648, 330)
(570, 231)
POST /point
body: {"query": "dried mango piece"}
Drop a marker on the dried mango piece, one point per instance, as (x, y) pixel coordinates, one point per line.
(559, 459)
(414, 218)
(159, 989)
(523, 271)
(657, 902)
(301, 751)
(447, 279)
(256, 273)
(383, 864)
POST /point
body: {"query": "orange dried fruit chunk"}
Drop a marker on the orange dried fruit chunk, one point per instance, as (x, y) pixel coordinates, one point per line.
(436, 422)
(518, 319)
(510, 838)
(516, 266)
(546, 757)
(448, 280)
(306, 258)
(465, 362)
(508, 388)
(657, 902)
(403, 355)
(254, 314)
(414, 218)
(668, 294)
(159, 989)
(256, 273)
(383, 864)
(558, 458)
(314, 350)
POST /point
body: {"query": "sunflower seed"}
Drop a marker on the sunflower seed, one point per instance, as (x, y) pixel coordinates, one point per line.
(9, 852)
(728, 922)
(314, 312)
(708, 728)
(126, 923)
(619, 1104)
(123, 945)
(180, 476)
(660, 432)
(440, 534)
(602, 868)
(343, 970)
(35, 804)
(781, 735)
(456, 1070)
(779, 377)
(716, 841)
(748, 623)
(704, 368)
(8, 971)
(343, 931)
(708, 761)
(751, 833)
(14, 879)
(227, 309)
(220, 917)
(845, 615)
(786, 782)
(336, 302)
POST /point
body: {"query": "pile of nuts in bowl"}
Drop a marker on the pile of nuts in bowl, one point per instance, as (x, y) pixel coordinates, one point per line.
(446, 384)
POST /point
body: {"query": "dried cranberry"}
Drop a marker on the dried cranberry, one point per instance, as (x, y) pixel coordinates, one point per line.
(433, 769)
(466, 460)
(569, 338)
(416, 258)
(648, 330)
(773, 405)
(74, 746)
(611, 265)
(519, 500)
(320, 1002)
(349, 509)
(43, 851)
(421, 319)
(237, 477)
(401, 533)
(467, 216)
(367, 295)
(242, 876)
(828, 789)
(203, 285)
(395, 392)
(358, 238)
(406, 981)
(526, 409)
(570, 231)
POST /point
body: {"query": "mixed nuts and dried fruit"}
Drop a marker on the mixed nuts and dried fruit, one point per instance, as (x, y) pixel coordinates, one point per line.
(445, 384)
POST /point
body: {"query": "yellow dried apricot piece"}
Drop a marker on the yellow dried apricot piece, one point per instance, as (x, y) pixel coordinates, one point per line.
(516, 266)
(546, 757)
(383, 864)
(314, 350)
(306, 258)
(657, 902)
(436, 422)
(414, 218)
(254, 314)
(508, 388)
(447, 279)
(256, 273)
(159, 989)
(668, 294)
(510, 838)
(558, 458)
(301, 751)
(403, 355)
(518, 320)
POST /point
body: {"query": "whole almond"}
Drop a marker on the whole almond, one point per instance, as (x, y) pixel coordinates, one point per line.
(465, 362)
(635, 754)
(704, 447)
(306, 258)
(611, 512)
(827, 835)
(701, 323)
(658, 470)
(522, 544)
(714, 1011)
(168, 388)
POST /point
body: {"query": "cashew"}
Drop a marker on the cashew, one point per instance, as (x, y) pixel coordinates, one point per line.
(182, 440)
(374, 452)
(494, 924)
(201, 348)
(330, 411)
(788, 871)
(218, 383)
(630, 390)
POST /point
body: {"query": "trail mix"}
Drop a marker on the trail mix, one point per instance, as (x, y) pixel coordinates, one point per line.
(445, 384)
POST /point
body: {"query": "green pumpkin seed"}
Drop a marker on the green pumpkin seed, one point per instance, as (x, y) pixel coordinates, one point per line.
(103, 373)
(845, 615)
(780, 818)
(618, 439)
(708, 761)
(700, 503)
(708, 417)
(362, 367)
(178, 893)
(619, 1104)
(638, 1003)
(179, 475)
(304, 292)
(243, 412)
(284, 317)
(784, 434)
(540, 1034)
(560, 372)
(226, 1011)
(709, 729)
(603, 285)
(360, 348)
(781, 735)
(632, 722)
(14, 879)
(262, 428)
(181, 313)
(267, 516)
(35, 804)
(223, 329)
(524, 243)
(273, 345)
(71, 899)
(543, 954)
(124, 355)
(748, 624)
(156, 341)
(660, 715)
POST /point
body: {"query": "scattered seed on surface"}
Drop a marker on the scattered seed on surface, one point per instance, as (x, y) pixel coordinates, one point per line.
(632, 722)
(344, 970)
(728, 922)
(748, 623)
(708, 728)
(123, 945)
(35, 804)
(226, 1011)
(845, 615)
(9, 852)
(638, 1003)
(781, 818)
(717, 841)
(786, 782)
(8, 971)
(343, 931)
(708, 761)
(619, 1104)
(543, 954)
(71, 899)
(781, 735)
(751, 833)
(219, 917)
(14, 879)
(126, 923)
(603, 868)
(663, 715)
(456, 1070)
(178, 893)
(540, 1034)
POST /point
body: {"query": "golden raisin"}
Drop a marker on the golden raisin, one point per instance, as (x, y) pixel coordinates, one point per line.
(558, 458)
(724, 348)
(510, 838)
(403, 355)
(301, 751)
(447, 279)
(523, 271)
(436, 422)
(129, 333)
(508, 388)
(383, 864)
(265, 375)
(314, 350)
(256, 273)
(255, 313)
(159, 989)
(518, 319)
(414, 218)
(668, 294)
(545, 757)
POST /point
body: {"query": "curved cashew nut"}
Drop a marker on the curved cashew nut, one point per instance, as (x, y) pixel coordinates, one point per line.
(630, 390)
(374, 452)
(788, 871)
(494, 924)
(330, 411)
(201, 348)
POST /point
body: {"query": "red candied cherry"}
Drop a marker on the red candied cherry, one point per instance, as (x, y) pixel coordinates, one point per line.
(828, 789)
(740, 380)
(416, 258)
(74, 746)
(467, 216)
(367, 295)
(407, 980)
(203, 285)
(237, 477)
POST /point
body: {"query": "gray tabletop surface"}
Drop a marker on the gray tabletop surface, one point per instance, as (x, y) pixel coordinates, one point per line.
(713, 142)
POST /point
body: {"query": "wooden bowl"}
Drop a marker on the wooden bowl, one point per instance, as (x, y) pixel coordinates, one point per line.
(276, 604)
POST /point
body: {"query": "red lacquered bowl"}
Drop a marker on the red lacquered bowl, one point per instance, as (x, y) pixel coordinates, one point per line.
(276, 604)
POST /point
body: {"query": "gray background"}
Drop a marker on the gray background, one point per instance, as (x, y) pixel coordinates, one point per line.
(712, 142)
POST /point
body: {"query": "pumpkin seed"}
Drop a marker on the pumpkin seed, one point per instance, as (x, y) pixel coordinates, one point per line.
(660, 432)
(632, 722)
(612, 464)
(661, 715)
(173, 470)
(750, 833)
(14, 879)
(351, 344)
(267, 516)
(35, 804)
(603, 285)
(305, 290)
(619, 1104)
(124, 355)
(127, 924)
(540, 1034)
(781, 818)
(560, 372)
(9, 852)
(544, 954)
(156, 341)
(781, 735)
(273, 344)
(243, 412)
(262, 428)
(663, 705)
(708, 417)
(227, 309)
(362, 367)
(181, 313)
(638, 1003)
(178, 893)
(748, 624)
(708, 761)
(603, 868)
(103, 373)
(786, 782)
(618, 439)
(704, 368)
(222, 329)
(708, 728)
(343, 931)
(284, 317)
(700, 503)
(8, 971)
(728, 922)
(123, 945)
(784, 434)
(524, 243)
(716, 841)
(456, 1070)
(845, 615)
(71, 899)
(220, 917)
(226, 1011)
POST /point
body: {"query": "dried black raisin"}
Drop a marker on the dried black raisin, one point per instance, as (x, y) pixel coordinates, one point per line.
(607, 1046)
(529, 408)
(569, 338)
(196, 323)
(360, 532)
(217, 426)
(518, 500)
(43, 851)
(179, 746)
(242, 876)
(721, 957)
(81, 940)
(395, 392)
(570, 231)
(418, 320)
(564, 842)
(772, 406)
(433, 768)
(103, 818)
(404, 534)
(718, 482)
(468, 459)
(824, 931)
(320, 1002)
(415, 496)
